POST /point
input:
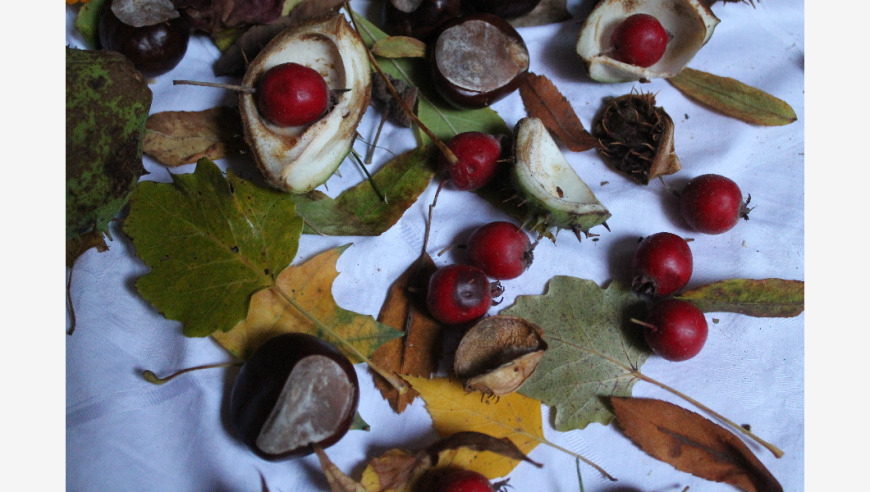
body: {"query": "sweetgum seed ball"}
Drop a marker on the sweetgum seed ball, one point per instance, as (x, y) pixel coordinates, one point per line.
(154, 50)
(676, 330)
(639, 40)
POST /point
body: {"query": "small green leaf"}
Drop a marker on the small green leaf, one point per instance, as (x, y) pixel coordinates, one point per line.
(359, 211)
(399, 47)
(211, 243)
(87, 21)
(767, 298)
(360, 424)
(733, 98)
(594, 349)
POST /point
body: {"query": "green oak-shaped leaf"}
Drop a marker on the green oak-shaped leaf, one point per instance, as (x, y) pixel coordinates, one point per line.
(593, 352)
(211, 242)
(359, 211)
(440, 117)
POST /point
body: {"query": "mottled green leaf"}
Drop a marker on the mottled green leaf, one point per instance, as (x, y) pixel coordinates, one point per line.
(593, 352)
(211, 242)
(733, 98)
(767, 298)
(359, 211)
(399, 47)
(442, 119)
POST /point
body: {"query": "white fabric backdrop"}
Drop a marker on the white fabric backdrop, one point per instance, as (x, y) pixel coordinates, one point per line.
(125, 434)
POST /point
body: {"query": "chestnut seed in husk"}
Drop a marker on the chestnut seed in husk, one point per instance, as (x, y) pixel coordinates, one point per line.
(477, 60)
(418, 19)
(507, 9)
(296, 390)
(153, 49)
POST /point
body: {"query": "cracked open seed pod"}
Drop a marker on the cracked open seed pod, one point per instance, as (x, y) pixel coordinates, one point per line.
(689, 25)
(497, 354)
(637, 138)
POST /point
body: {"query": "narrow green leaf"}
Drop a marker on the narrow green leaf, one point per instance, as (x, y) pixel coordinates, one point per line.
(359, 211)
(767, 298)
(211, 242)
(594, 349)
(733, 98)
(399, 47)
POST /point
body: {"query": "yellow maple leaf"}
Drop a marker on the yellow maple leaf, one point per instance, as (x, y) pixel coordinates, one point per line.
(301, 301)
(453, 410)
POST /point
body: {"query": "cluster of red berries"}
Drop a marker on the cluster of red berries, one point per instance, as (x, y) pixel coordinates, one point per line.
(462, 293)
(662, 265)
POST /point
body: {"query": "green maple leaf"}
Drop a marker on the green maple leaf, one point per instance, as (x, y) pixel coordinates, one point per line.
(211, 242)
(594, 349)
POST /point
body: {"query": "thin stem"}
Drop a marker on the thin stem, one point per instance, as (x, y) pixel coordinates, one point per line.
(370, 153)
(232, 87)
(154, 379)
(451, 157)
(369, 177)
(773, 449)
(553, 445)
(391, 378)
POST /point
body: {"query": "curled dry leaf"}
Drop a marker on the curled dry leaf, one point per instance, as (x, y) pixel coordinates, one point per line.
(417, 353)
(692, 443)
(637, 137)
(546, 12)
(497, 354)
(175, 138)
(544, 101)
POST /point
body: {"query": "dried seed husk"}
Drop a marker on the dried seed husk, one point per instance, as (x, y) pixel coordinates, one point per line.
(637, 137)
(497, 354)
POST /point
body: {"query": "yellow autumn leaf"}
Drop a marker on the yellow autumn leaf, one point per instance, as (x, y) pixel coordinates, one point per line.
(452, 409)
(301, 301)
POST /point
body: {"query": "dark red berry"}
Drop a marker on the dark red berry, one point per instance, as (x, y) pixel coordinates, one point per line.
(291, 94)
(460, 294)
(662, 264)
(459, 480)
(676, 330)
(478, 155)
(639, 40)
(501, 249)
(712, 204)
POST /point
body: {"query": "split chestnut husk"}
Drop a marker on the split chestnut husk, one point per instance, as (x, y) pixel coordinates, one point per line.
(497, 354)
(637, 137)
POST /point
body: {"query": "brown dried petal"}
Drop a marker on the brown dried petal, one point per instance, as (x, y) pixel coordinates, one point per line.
(498, 354)
(637, 137)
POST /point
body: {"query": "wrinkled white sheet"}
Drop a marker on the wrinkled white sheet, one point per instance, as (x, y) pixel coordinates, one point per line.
(124, 434)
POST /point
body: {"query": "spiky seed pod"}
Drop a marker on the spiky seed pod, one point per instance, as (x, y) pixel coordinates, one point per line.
(637, 137)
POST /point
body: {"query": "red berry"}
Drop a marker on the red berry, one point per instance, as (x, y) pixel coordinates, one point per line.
(712, 204)
(291, 94)
(640, 40)
(478, 155)
(460, 294)
(500, 249)
(460, 480)
(675, 329)
(662, 264)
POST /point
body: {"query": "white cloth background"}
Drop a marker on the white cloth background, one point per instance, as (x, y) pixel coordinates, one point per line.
(124, 434)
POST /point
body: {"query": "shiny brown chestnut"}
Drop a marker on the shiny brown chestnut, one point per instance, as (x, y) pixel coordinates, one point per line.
(476, 60)
(507, 9)
(153, 49)
(418, 18)
(295, 390)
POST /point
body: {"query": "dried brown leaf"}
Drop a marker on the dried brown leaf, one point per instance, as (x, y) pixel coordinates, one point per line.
(415, 354)
(543, 100)
(546, 12)
(338, 481)
(691, 443)
(183, 137)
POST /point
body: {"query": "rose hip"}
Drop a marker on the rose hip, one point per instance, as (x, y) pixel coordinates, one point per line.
(478, 155)
(662, 264)
(460, 294)
(675, 329)
(712, 204)
(639, 40)
(501, 249)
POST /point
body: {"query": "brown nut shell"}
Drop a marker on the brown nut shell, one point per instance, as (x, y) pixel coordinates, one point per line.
(497, 354)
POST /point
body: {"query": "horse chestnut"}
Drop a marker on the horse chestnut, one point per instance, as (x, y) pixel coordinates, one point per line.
(294, 391)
